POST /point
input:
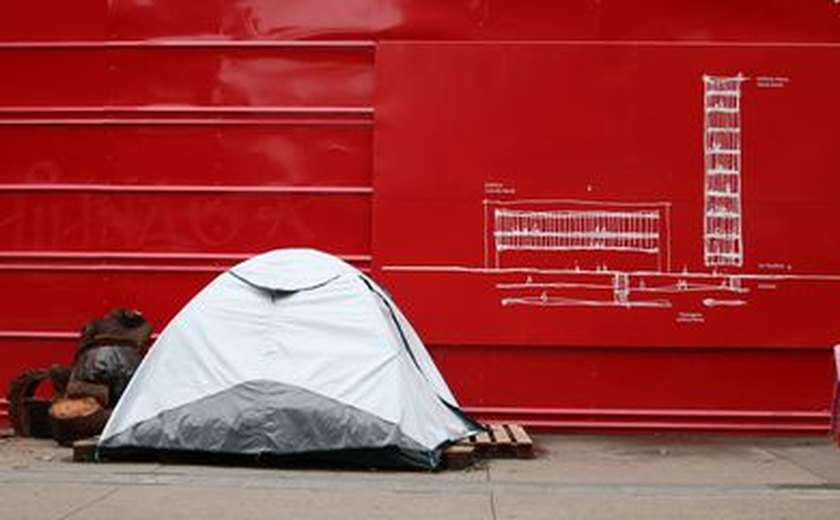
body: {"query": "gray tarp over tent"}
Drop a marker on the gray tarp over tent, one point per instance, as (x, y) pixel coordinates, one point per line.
(290, 353)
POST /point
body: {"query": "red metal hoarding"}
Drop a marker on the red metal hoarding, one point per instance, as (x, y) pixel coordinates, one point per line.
(562, 218)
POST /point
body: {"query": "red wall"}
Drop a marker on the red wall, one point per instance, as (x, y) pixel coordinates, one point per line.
(146, 145)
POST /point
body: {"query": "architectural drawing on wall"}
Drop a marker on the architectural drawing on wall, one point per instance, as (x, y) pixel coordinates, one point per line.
(575, 230)
(723, 242)
(611, 234)
(579, 236)
(598, 254)
(589, 234)
(584, 253)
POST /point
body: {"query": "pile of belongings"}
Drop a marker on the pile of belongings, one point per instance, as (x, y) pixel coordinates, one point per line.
(28, 407)
(109, 351)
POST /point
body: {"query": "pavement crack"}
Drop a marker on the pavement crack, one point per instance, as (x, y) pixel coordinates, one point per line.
(493, 505)
(783, 457)
(92, 501)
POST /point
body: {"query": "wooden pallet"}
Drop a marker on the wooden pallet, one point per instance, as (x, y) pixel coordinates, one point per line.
(499, 441)
(84, 450)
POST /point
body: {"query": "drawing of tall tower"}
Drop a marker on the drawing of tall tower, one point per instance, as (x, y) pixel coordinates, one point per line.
(723, 241)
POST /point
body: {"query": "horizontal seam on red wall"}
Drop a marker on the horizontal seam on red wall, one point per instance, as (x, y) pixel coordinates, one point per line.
(618, 43)
(653, 419)
(187, 188)
(631, 348)
(186, 115)
(666, 412)
(187, 109)
(133, 268)
(185, 122)
(353, 45)
(151, 255)
(114, 261)
(39, 335)
(619, 426)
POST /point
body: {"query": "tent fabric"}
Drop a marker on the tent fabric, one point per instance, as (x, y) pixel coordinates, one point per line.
(292, 352)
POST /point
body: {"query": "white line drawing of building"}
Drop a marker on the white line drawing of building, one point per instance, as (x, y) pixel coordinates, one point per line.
(723, 240)
(569, 225)
(574, 230)
(625, 247)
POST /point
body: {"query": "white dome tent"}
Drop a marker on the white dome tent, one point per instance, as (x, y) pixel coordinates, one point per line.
(291, 353)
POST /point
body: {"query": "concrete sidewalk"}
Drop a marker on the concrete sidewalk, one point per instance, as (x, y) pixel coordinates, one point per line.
(575, 476)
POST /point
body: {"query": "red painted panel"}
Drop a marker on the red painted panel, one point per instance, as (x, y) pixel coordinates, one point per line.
(242, 77)
(775, 20)
(61, 301)
(780, 316)
(239, 77)
(187, 155)
(751, 20)
(152, 53)
(57, 294)
(651, 378)
(183, 222)
(133, 19)
(592, 388)
(61, 77)
(53, 20)
(54, 153)
(468, 135)
(291, 19)
(332, 156)
(21, 355)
